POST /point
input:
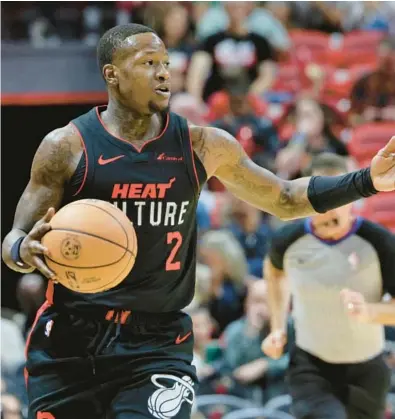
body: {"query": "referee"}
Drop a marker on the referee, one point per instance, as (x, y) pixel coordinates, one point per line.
(336, 369)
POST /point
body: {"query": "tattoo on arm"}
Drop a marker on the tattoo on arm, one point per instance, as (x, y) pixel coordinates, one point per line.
(293, 200)
(53, 163)
(224, 157)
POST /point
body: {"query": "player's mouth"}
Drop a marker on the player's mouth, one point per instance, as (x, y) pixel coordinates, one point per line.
(163, 90)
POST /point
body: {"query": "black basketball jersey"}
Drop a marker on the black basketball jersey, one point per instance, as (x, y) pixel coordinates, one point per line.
(157, 187)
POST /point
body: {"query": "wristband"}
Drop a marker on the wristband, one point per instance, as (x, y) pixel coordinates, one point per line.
(15, 255)
(329, 192)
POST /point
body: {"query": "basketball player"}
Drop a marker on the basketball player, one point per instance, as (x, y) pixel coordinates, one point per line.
(127, 352)
(336, 368)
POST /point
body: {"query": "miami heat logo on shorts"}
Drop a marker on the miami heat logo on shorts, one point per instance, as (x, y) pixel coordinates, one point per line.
(166, 402)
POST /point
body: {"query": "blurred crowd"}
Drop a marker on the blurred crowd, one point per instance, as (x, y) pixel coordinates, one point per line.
(289, 80)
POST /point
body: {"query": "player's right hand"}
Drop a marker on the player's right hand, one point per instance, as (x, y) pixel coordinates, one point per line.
(273, 344)
(31, 249)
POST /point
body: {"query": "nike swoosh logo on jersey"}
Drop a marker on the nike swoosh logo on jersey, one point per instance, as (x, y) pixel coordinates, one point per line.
(182, 339)
(103, 161)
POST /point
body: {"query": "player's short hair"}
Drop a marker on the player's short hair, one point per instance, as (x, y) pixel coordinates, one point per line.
(328, 162)
(114, 38)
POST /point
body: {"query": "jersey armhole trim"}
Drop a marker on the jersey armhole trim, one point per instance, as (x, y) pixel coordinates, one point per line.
(193, 159)
(86, 160)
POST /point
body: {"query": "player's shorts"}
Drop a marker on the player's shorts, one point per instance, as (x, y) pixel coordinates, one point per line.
(117, 366)
(321, 390)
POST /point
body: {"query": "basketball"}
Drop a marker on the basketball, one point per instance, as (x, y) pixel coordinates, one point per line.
(92, 246)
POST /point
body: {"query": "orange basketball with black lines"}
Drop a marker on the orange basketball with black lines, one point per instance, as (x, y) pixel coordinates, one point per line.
(92, 246)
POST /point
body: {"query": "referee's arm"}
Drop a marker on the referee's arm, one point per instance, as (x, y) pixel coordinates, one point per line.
(278, 296)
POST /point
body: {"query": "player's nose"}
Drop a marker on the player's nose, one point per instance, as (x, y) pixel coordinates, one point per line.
(162, 73)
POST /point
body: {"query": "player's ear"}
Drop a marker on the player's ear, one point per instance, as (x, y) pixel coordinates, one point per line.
(110, 74)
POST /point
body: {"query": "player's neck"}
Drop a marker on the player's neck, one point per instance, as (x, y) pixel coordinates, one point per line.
(128, 125)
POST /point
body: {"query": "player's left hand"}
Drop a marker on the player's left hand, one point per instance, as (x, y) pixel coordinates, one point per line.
(382, 168)
(355, 304)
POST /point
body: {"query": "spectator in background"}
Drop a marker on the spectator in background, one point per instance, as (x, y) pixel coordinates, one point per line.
(368, 15)
(203, 327)
(260, 20)
(10, 407)
(313, 135)
(174, 29)
(373, 96)
(242, 339)
(256, 134)
(12, 347)
(252, 232)
(31, 296)
(317, 15)
(230, 54)
(222, 253)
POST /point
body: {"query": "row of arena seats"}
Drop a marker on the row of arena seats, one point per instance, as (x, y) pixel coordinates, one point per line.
(361, 41)
(340, 60)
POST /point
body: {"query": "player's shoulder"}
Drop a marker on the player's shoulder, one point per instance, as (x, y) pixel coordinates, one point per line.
(214, 146)
(59, 151)
(63, 135)
(217, 139)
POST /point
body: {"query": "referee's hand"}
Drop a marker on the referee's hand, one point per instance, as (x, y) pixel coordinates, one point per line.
(273, 344)
(355, 305)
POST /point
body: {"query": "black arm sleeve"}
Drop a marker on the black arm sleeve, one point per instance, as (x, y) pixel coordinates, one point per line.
(329, 192)
(282, 239)
(384, 243)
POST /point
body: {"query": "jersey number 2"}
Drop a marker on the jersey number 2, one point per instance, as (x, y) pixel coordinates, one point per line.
(171, 265)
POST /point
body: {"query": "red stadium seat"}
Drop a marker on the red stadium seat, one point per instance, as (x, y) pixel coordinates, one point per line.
(344, 58)
(287, 78)
(367, 139)
(362, 41)
(381, 209)
(312, 40)
(340, 81)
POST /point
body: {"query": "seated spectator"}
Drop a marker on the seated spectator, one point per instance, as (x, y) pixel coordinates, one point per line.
(230, 54)
(313, 135)
(202, 288)
(368, 15)
(10, 407)
(222, 253)
(12, 347)
(257, 134)
(242, 340)
(173, 27)
(260, 20)
(31, 296)
(373, 96)
(203, 328)
(317, 15)
(253, 233)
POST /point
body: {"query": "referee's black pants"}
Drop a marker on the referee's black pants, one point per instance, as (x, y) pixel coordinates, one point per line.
(321, 390)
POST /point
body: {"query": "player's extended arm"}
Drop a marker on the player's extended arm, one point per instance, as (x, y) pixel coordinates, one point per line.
(53, 164)
(225, 158)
